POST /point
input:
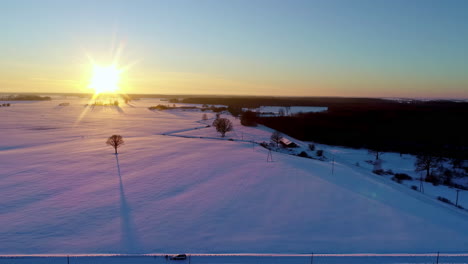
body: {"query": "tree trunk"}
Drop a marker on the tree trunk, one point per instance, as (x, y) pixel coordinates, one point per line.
(115, 150)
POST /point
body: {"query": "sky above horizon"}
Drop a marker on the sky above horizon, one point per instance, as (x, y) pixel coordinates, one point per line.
(364, 48)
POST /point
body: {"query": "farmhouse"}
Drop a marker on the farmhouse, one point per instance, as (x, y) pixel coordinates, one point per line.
(287, 143)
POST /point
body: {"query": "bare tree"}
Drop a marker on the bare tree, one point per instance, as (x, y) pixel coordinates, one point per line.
(426, 163)
(115, 141)
(376, 153)
(276, 137)
(287, 109)
(223, 125)
(281, 112)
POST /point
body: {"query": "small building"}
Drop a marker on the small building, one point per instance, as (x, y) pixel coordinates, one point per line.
(287, 143)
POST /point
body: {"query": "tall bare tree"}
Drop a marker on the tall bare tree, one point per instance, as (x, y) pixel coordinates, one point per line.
(115, 141)
(223, 125)
(276, 137)
(427, 163)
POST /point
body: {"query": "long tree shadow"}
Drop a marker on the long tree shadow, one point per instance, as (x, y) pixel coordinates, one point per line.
(127, 226)
(119, 109)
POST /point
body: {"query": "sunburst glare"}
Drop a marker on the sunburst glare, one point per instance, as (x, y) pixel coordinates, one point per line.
(105, 79)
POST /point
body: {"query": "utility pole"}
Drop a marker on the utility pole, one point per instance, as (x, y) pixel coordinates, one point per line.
(437, 260)
(456, 201)
(270, 156)
(421, 186)
(333, 164)
(312, 258)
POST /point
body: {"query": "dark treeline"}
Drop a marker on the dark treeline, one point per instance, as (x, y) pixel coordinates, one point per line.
(24, 97)
(435, 127)
(254, 102)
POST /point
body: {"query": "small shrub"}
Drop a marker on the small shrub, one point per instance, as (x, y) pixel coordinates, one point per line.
(443, 199)
(403, 176)
(396, 180)
(414, 187)
(357, 164)
(158, 107)
(312, 147)
(432, 179)
(459, 186)
(389, 172)
(303, 154)
(379, 172)
(319, 153)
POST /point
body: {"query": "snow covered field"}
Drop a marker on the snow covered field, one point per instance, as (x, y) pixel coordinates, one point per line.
(63, 191)
(244, 259)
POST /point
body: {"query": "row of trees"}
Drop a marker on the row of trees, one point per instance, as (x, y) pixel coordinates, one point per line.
(435, 170)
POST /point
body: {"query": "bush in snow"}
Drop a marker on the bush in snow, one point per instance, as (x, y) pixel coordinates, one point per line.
(402, 176)
(303, 154)
(414, 187)
(311, 147)
(446, 175)
(396, 180)
(379, 172)
(443, 199)
(319, 153)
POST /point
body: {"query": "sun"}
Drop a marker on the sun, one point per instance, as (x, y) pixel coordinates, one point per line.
(105, 79)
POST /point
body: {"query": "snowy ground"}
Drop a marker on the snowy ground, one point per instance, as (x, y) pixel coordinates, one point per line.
(174, 188)
(244, 259)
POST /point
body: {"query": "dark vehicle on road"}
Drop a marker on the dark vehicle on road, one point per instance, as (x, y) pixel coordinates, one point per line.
(179, 257)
